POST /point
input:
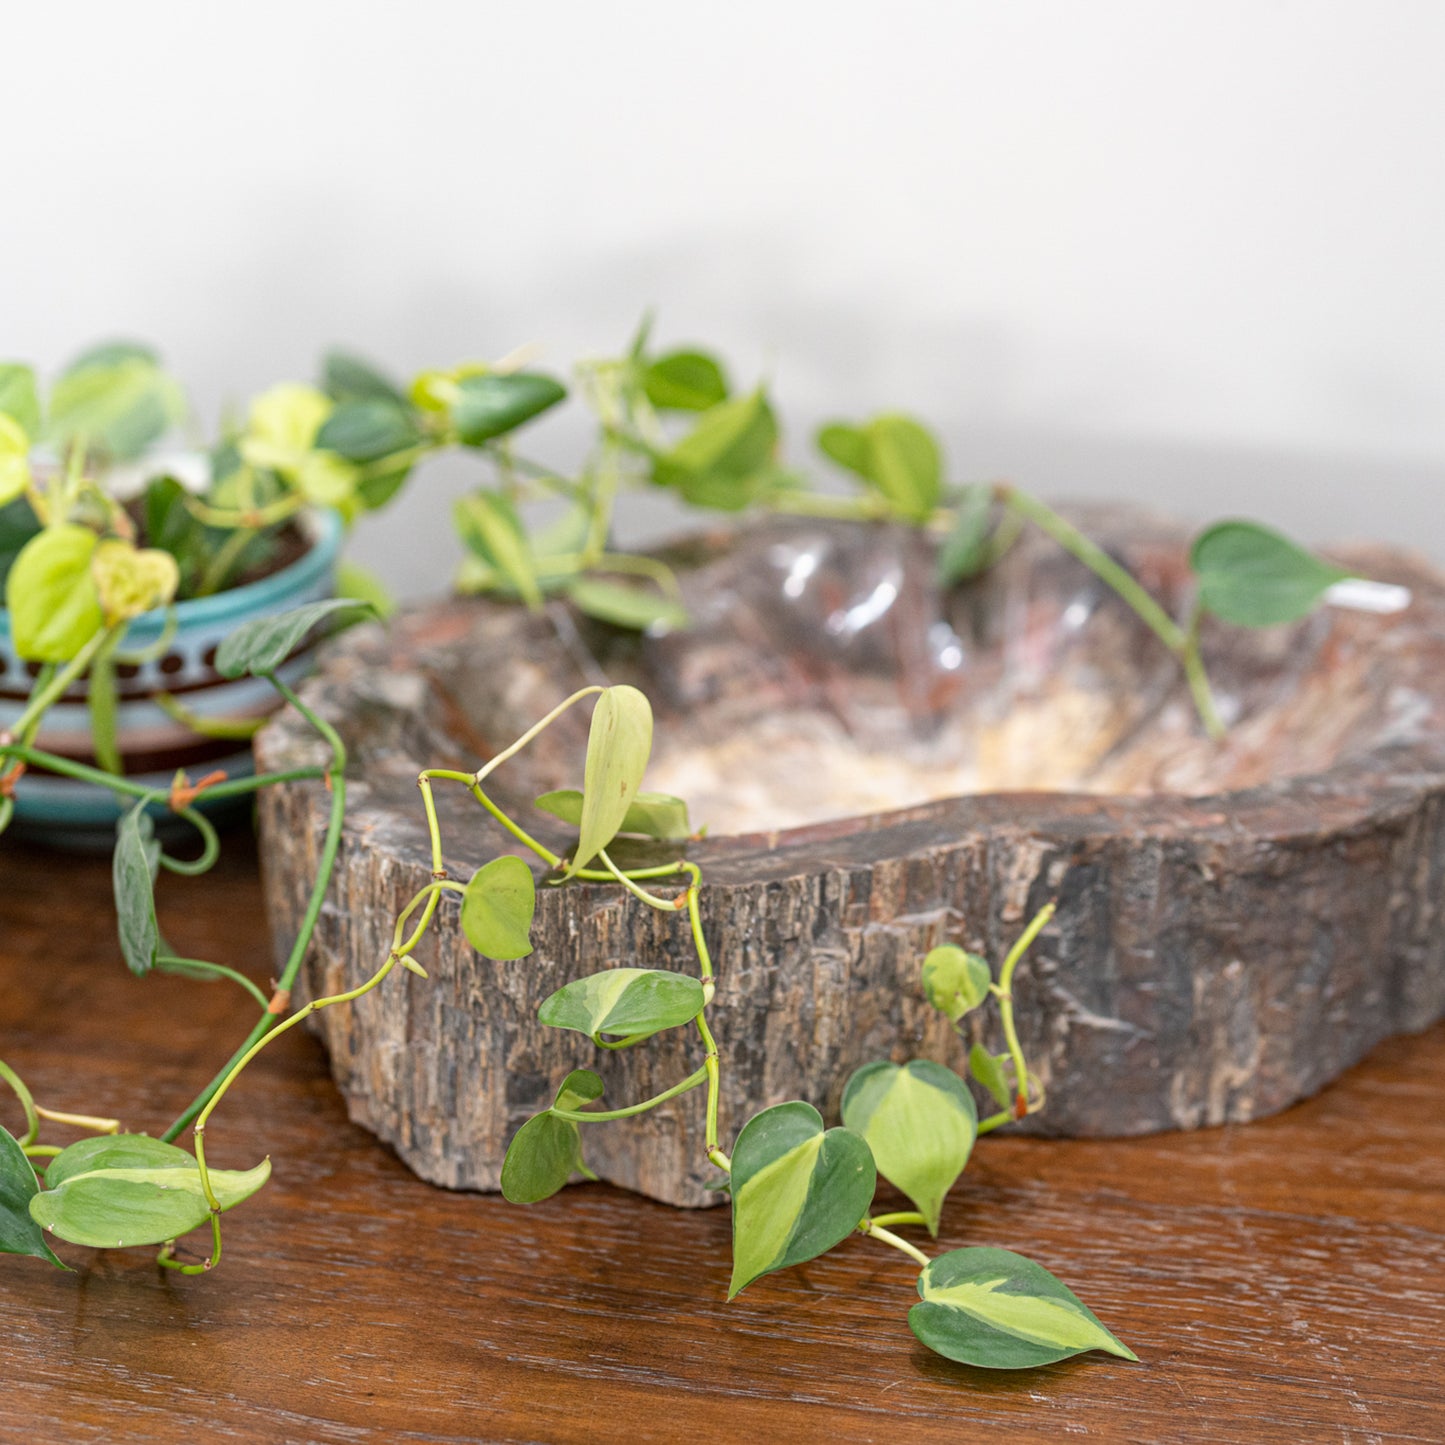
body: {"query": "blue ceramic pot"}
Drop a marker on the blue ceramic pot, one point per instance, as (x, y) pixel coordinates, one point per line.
(152, 744)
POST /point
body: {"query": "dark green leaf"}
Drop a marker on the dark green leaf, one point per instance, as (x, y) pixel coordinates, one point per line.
(103, 704)
(349, 378)
(650, 815)
(367, 431)
(1253, 577)
(920, 1122)
(987, 1070)
(19, 1233)
(965, 551)
(955, 982)
(619, 743)
(261, 646)
(685, 381)
(133, 871)
(546, 1151)
(54, 606)
(18, 397)
(18, 524)
(497, 908)
(375, 489)
(624, 1001)
(115, 1205)
(797, 1190)
(997, 1310)
(490, 406)
(624, 606)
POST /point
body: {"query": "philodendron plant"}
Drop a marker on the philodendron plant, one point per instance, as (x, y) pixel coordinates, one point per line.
(80, 561)
(798, 1187)
(672, 420)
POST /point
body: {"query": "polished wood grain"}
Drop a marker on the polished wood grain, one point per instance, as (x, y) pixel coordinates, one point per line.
(1281, 1281)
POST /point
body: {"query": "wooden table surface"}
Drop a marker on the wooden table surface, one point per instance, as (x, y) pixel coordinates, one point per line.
(1282, 1281)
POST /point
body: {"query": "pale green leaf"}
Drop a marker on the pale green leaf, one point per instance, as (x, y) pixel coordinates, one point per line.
(721, 462)
(955, 981)
(497, 908)
(685, 381)
(115, 1206)
(619, 743)
(53, 603)
(625, 606)
(920, 1122)
(624, 1001)
(986, 1069)
(649, 815)
(14, 460)
(488, 524)
(130, 580)
(19, 398)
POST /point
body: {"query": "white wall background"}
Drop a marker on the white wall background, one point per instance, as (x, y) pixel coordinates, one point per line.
(1189, 252)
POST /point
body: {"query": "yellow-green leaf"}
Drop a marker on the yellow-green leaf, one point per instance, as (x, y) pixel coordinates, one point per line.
(619, 743)
(650, 815)
(497, 908)
(52, 598)
(920, 1122)
(624, 1001)
(955, 981)
(14, 459)
(131, 580)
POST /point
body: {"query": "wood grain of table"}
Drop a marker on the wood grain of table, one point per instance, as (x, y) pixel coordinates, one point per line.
(1281, 1281)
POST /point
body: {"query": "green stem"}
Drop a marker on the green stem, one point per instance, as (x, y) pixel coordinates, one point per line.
(27, 1103)
(40, 701)
(1003, 991)
(871, 1228)
(1098, 562)
(235, 729)
(267, 1024)
(168, 964)
(1198, 679)
(227, 555)
(820, 504)
(905, 1216)
(664, 905)
(210, 846)
(166, 1258)
(579, 1116)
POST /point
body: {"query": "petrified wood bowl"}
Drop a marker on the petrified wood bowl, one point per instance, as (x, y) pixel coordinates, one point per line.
(885, 768)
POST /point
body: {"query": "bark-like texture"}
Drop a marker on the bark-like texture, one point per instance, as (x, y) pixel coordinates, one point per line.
(1214, 957)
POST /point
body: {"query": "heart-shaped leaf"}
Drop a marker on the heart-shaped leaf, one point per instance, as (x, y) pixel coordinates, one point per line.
(685, 381)
(54, 607)
(14, 460)
(282, 425)
(491, 405)
(619, 743)
(997, 1310)
(19, 398)
(920, 1122)
(133, 871)
(896, 455)
(497, 908)
(114, 1205)
(624, 1001)
(368, 430)
(19, 1233)
(261, 646)
(114, 399)
(349, 378)
(547, 1151)
(650, 815)
(720, 462)
(955, 982)
(989, 1072)
(797, 1190)
(636, 607)
(1253, 577)
(131, 580)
